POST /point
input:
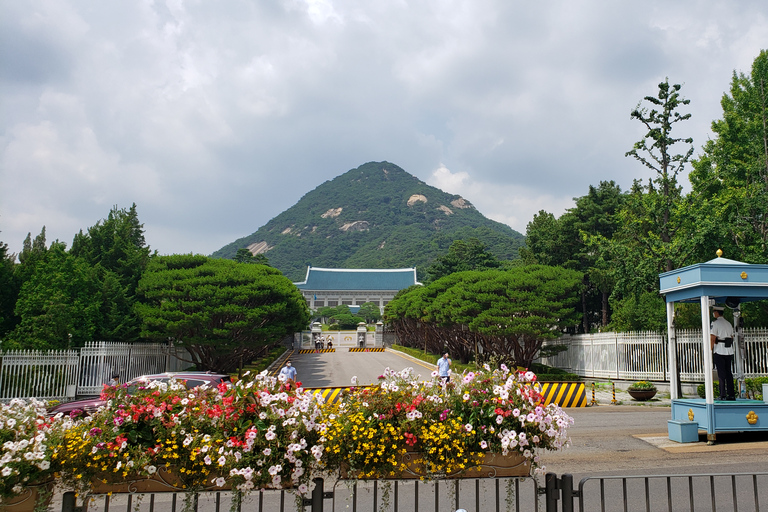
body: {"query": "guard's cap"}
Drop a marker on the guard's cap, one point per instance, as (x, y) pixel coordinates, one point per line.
(718, 308)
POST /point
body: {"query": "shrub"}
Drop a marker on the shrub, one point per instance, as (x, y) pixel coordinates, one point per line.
(642, 385)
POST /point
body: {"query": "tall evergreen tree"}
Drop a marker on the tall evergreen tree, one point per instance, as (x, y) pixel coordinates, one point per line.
(9, 291)
(730, 180)
(115, 247)
(656, 150)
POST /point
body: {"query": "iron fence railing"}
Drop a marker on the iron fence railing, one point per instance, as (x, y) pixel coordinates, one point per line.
(61, 374)
(644, 356)
(724, 492)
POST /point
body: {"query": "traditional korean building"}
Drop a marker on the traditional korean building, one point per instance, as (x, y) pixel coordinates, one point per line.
(354, 287)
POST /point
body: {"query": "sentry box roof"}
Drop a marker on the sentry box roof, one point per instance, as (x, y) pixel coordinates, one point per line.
(726, 281)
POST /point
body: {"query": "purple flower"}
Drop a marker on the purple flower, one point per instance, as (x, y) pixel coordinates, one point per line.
(444, 415)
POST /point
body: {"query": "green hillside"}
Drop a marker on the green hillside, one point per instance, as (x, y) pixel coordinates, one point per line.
(375, 216)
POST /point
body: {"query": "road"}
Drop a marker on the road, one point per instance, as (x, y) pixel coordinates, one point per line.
(606, 440)
(337, 368)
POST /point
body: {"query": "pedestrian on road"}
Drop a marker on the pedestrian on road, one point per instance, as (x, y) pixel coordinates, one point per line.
(287, 374)
(721, 340)
(444, 368)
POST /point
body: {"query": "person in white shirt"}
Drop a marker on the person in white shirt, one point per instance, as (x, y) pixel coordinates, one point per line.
(721, 340)
(287, 374)
(444, 368)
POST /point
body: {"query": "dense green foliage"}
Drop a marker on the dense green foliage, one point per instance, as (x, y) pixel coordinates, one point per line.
(654, 227)
(462, 255)
(508, 313)
(64, 298)
(565, 242)
(366, 218)
(221, 311)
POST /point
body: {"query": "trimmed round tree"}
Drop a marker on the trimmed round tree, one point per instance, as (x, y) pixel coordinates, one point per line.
(223, 312)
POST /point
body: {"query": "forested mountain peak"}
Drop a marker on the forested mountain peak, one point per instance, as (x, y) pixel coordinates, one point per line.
(374, 216)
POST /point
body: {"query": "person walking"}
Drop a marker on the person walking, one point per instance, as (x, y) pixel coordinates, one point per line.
(444, 368)
(115, 379)
(721, 340)
(287, 374)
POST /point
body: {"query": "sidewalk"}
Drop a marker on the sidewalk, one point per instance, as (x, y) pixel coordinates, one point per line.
(604, 396)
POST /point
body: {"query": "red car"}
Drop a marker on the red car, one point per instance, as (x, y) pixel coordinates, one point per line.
(87, 406)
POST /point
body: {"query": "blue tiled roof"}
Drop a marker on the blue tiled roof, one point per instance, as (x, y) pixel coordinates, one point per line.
(358, 279)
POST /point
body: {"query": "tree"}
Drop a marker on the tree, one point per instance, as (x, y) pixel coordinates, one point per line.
(9, 291)
(58, 304)
(565, 242)
(655, 151)
(470, 254)
(370, 312)
(115, 247)
(508, 313)
(730, 180)
(245, 256)
(221, 311)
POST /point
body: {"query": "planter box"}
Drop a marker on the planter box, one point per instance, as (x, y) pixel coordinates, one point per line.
(492, 465)
(162, 481)
(29, 498)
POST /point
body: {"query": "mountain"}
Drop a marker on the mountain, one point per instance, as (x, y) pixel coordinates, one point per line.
(375, 216)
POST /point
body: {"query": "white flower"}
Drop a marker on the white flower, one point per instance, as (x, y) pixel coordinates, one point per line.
(468, 427)
(150, 469)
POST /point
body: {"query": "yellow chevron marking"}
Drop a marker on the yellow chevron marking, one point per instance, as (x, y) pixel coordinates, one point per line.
(564, 394)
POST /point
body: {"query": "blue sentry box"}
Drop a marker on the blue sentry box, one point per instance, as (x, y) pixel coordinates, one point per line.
(683, 431)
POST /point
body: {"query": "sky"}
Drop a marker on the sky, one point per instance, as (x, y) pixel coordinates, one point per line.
(214, 117)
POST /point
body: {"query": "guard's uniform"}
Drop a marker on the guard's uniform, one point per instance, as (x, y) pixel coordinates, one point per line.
(723, 356)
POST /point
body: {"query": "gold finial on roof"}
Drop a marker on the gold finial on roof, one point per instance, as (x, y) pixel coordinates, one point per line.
(719, 253)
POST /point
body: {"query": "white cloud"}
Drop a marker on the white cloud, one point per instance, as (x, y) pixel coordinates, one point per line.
(511, 204)
(214, 118)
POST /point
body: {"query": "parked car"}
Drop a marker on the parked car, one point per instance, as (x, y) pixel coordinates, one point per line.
(88, 406)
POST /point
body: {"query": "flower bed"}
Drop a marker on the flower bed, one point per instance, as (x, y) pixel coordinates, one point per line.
(256, 434)
(450, 426)
(261, 434)
(27, 442)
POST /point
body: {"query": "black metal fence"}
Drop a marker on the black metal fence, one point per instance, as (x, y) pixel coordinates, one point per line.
(726, 492)
(742, 492)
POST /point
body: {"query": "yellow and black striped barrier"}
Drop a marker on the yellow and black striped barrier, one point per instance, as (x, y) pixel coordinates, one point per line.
(564, 394)
(329, 395)
(316, 350)
(366, 350)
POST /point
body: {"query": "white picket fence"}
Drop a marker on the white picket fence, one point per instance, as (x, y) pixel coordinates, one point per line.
(643, 355)
(58, 374)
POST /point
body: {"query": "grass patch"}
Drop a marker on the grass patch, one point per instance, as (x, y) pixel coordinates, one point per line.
(262, 363)
(543, 372)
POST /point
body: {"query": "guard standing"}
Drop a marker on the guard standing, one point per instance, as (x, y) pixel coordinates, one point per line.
(721, 340)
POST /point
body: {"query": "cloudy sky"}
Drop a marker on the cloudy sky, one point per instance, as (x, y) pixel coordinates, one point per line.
(214, 117)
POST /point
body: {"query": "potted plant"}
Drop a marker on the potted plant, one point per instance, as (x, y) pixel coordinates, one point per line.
(642, 390)
(27, 442)
(407, 427)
